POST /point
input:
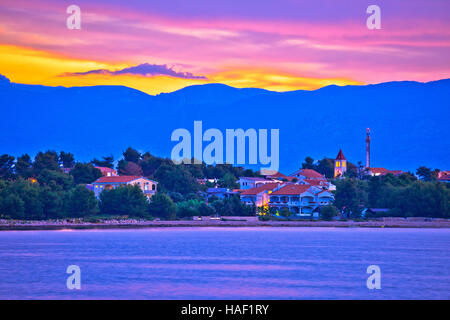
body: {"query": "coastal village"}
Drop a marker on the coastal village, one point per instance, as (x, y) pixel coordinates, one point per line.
(300, 194)
(323, 189)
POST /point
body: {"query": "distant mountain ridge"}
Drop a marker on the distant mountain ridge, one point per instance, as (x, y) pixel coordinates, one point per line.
(409, 120)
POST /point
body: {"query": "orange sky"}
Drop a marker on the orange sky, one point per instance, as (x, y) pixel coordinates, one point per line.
(265, 48)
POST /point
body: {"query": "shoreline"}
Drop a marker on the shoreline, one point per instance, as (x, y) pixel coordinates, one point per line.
(233, 222)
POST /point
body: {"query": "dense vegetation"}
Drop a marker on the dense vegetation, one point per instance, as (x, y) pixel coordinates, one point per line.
(404, 196)
(39, 189)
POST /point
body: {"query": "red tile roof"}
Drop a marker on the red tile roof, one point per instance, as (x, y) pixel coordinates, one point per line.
(309, 173)
(117, 179)
(276, 175)
(259, 189)
(291, 189)
(383, 171)
(444, 175)
(106, 169)
(340, 155)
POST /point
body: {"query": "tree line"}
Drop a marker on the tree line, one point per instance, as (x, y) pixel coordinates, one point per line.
(39, 189)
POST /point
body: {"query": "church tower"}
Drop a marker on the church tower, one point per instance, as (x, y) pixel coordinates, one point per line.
(340, 165)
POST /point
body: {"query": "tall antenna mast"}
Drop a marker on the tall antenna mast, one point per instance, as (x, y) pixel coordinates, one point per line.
(368, 148)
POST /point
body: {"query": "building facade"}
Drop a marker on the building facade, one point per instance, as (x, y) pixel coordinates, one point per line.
(301, 200)
(107, 172)
(148, 187)
(258, 196)
(340, 165)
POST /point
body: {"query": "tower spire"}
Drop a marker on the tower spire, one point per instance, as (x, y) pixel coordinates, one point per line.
(368, 148)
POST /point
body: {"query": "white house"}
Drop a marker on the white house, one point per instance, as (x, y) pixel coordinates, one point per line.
(301, 199)
(147, 186)
(258, 196)
(308, 174)
(252, 182)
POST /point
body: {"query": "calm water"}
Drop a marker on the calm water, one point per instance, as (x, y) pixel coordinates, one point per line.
(226, 263)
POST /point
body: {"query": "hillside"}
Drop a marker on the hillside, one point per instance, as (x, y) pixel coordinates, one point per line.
(409, 120)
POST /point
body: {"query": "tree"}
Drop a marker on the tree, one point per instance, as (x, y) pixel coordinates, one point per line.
(175, 178)
(162, 206)
(84, 173)
(328, 212)
(205, 210)
(132, 169)
(52, 202)
(309, 163)
(326, 167)
(131, 155)
(46, 160)
(346, 199)
(188, 208)
(150, 164)
(66, 159)
(56, 180)
(426, 174)
(81, 202)
(24, 166)
(228, 181)
(107, 162)
(352, 170)
(6, 167)
(124, 201)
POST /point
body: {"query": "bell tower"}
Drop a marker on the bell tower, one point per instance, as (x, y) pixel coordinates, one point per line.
(340, 165)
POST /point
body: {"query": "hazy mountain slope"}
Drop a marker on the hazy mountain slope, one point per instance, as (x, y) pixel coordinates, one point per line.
(409, 120)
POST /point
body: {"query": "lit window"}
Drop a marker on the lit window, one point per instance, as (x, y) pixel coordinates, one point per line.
(343, 164)
(338, 164)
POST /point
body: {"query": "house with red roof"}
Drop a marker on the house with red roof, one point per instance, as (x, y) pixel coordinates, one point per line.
(310, 174)
(444, 176)
(148, 187)
(258, 196)
(301, 200)
(382, 172)
(107, 172)
(324, 185)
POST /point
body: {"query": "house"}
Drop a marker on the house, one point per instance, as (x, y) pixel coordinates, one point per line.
(444, 176)
(302, 200)
(319, 183)
(205, 180)
(382, 172)
(107, 172)
(221, 193)
(308, 174)
(258, 196)
(251, 182)
(147, 186)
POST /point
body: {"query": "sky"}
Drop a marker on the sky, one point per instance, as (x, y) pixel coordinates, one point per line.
(282, 45)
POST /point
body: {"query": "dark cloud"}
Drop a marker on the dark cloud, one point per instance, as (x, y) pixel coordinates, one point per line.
(144, 69)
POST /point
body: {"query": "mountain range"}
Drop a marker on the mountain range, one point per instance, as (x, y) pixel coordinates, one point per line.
(409, 120)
